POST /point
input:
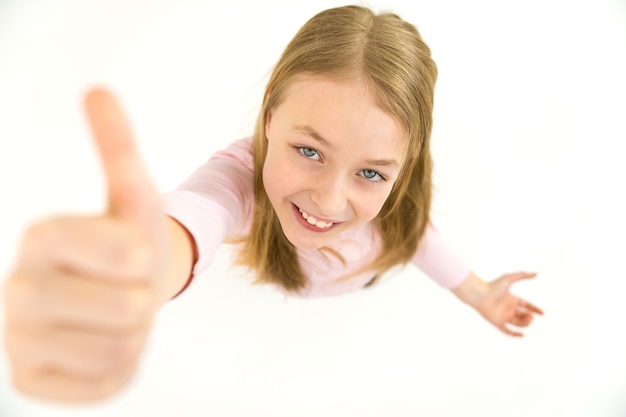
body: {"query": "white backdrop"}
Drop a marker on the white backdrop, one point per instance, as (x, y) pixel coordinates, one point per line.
(528, 143)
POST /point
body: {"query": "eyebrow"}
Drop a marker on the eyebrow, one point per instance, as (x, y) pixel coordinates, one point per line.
(309, 131)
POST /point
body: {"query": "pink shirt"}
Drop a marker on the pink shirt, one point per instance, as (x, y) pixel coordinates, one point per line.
(216, 201)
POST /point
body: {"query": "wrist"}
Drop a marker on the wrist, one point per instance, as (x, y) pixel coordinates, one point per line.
(472, 291)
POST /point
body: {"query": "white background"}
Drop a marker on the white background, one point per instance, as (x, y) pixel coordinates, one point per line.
(529, 147)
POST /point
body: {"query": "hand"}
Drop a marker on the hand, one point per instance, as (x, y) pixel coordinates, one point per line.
(502, 308)
(82, 296)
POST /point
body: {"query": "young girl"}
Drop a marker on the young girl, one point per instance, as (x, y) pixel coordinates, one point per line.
(332, 190)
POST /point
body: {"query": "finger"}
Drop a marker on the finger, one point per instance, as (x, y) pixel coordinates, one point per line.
(510, 332)
(57, 386)
(131, 193)
(68, 300)
(531, 307)
(517, 276)
(95, 246)
(80, 353)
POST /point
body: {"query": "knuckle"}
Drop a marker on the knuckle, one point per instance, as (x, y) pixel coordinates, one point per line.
(14, 347)
(39, 235)
(22, 382)
(19, 295)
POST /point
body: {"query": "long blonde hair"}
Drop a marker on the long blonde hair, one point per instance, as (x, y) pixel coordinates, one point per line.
(346, 43)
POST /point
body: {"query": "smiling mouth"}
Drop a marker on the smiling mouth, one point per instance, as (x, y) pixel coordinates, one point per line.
(313, 221)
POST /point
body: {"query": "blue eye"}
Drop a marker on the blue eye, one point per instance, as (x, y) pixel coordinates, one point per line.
(308, 152)
(372, 175)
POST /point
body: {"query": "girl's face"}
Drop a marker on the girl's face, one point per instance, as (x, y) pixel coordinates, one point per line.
(333, 156)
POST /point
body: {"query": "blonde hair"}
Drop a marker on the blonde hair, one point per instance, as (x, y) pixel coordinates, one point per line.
(346, 43)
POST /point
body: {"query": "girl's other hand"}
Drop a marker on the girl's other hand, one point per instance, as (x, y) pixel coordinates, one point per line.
(494, 301)
(82, 296)
(502, 308)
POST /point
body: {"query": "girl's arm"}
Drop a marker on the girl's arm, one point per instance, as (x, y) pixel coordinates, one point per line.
(491, 299)
(211, 204)
(81, 299)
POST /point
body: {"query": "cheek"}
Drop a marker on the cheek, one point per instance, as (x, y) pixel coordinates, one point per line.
(370, 204)
(276, 174)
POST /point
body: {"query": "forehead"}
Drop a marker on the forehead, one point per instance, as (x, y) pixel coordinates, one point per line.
(341, 111)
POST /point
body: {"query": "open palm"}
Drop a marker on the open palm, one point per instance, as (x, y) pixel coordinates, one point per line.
(502, 308)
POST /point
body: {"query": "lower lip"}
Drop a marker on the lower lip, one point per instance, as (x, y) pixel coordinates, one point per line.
(309, 226)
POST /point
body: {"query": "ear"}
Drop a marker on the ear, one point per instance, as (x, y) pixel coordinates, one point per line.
(268, 121)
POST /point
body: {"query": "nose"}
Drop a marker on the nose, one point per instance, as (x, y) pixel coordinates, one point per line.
(330, 194)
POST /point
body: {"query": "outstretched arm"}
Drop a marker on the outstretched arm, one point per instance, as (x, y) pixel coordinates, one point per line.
(81, 299)
(494, 301)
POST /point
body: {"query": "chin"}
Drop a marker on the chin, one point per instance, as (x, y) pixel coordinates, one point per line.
(302, 241)
(307, 244)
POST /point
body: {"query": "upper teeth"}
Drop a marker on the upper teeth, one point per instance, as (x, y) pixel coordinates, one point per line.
(312, 220)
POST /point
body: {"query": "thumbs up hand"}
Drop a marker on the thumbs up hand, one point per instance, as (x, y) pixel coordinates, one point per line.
(82, 296)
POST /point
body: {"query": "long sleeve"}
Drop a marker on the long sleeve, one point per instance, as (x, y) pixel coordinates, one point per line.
(215, 200)
(436, 258)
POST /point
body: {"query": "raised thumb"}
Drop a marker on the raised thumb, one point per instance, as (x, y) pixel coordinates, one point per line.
(130, 191)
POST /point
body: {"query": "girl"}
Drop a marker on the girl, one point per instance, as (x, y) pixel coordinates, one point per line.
(332, 190)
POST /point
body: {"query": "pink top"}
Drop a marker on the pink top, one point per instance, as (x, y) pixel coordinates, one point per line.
(217, 199)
